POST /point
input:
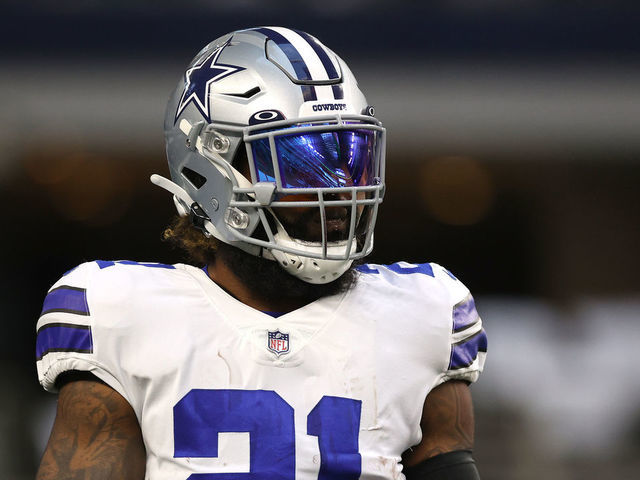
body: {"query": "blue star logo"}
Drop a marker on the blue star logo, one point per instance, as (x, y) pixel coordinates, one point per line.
(198, 80)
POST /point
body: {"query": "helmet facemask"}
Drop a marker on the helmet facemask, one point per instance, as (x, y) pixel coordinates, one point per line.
(316, 186)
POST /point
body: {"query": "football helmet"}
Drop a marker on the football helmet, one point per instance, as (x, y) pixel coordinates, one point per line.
(266, 120)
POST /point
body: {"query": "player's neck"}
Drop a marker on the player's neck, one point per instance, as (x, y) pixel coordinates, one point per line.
(263, 285)
(226, 279)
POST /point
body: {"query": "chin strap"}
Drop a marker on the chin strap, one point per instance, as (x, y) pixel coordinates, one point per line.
(310, 270)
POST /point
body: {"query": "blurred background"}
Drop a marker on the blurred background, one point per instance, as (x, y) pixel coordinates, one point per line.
(513, 159)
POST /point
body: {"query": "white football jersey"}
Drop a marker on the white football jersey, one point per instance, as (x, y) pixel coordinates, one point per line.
(332, 390)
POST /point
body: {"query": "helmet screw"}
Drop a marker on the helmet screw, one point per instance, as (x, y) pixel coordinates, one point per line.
(236, 218)
(188, 143)
(217, 144)
(214, 203)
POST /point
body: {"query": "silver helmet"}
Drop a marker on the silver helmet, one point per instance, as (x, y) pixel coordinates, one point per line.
(266, 120)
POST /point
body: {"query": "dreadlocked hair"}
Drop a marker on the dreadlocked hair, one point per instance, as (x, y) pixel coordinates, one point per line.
(182, 234)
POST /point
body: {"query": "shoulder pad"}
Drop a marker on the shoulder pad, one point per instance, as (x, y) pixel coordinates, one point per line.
(68, 329)
(468, 337)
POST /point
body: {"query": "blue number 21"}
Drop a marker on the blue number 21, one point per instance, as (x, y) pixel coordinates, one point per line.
(201, 414)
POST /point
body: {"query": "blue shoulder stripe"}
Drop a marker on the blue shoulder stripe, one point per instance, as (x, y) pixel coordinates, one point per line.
(464, 314)
(466, 351)
(110, 263)
(423, 268)
(63, 337)
(66, 299)
(332, 74)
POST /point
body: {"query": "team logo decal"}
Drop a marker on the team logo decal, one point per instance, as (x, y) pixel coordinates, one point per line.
(278, 342)
(264, 116)
(198, 80)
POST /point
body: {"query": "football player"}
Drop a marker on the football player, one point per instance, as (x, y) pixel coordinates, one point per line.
(282, 355)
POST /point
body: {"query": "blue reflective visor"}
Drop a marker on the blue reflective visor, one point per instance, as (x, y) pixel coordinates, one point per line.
(340, 158)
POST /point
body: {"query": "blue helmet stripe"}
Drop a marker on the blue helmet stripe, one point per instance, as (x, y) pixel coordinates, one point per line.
(332, 74)
(297, 62)
(322, 54)
(309, 93)
(338, 92)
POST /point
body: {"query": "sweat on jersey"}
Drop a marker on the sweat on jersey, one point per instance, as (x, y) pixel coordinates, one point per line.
(335, 388)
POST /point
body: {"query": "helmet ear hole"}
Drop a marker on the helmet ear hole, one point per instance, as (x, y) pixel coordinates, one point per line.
(194, 177)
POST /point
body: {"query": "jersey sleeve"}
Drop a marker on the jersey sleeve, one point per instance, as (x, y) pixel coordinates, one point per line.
(467, 339)
(66, 331)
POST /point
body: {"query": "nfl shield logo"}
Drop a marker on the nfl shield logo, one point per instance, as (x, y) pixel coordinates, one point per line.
(278, 342)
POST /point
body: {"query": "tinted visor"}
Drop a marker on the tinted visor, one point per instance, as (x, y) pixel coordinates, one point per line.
(342, 158)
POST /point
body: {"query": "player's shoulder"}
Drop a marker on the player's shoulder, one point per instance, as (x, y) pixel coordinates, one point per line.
(445, 306)
(94, 309)
(112, 282)
(114, 271)
(424, 279)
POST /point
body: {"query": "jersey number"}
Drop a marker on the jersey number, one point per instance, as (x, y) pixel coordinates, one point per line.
(202, 414)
